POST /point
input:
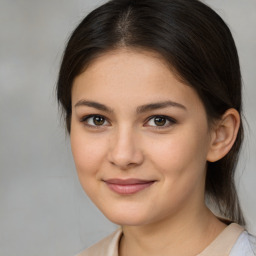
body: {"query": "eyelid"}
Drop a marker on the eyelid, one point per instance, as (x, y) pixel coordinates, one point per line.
(85, 118)
(171, 121)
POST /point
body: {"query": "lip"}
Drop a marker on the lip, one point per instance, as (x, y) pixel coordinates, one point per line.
(128, 186)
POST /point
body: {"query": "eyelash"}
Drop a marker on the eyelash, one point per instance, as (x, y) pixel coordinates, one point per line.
(86, 118)
(171, 121)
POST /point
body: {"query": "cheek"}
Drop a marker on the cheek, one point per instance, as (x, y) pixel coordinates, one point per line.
(180, 154)
(88, 153)
(181, 161)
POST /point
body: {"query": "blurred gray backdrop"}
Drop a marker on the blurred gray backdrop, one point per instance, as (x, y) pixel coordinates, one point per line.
(43, 210)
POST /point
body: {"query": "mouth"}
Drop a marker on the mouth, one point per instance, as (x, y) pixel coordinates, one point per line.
(128, 186)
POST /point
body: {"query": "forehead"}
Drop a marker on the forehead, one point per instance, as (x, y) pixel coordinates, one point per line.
(131, 75)
(131, 61)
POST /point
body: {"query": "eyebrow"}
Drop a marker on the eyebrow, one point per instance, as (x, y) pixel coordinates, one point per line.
(158, 105)
(139, 110)
(94, 104)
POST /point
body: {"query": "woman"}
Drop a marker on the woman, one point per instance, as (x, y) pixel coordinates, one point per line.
(151, 92)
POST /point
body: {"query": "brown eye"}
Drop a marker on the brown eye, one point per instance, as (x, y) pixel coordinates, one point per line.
(95, 121)
(98, 120)
(160, 121)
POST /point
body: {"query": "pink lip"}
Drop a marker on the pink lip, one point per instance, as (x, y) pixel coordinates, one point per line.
(128, 186)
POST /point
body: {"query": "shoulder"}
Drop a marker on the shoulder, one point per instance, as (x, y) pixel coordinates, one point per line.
(232, 241)
(106, 247)
(244, 246)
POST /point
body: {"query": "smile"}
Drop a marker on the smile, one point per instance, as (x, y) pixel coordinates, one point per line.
(129, 186)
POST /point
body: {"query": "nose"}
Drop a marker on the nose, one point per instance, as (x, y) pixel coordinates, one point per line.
(124, 149)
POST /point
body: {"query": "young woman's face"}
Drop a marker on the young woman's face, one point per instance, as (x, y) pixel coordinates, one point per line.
(139, 138)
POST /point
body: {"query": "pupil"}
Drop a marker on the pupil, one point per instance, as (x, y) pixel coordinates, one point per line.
(160, 121)
(98, 120)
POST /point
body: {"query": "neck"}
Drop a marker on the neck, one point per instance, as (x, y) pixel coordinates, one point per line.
(179, 235)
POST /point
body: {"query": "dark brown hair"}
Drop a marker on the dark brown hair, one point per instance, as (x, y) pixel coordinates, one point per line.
(194, 41)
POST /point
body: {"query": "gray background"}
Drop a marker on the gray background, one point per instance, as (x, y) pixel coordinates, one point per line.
(43, 210)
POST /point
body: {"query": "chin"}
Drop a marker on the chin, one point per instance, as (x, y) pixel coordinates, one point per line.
(127, 221)
(125, 217)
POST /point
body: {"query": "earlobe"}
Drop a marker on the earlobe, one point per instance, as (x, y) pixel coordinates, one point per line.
(224, 135)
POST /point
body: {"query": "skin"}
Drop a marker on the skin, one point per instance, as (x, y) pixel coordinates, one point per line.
(169, 216)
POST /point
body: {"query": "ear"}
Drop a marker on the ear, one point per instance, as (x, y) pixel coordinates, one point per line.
(223, 135)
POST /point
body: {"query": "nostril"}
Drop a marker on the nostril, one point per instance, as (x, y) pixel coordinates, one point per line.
(124, 150)
(125, 159)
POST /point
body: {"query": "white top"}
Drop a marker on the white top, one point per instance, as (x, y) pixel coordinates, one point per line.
(232, 241)
(244, 246)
